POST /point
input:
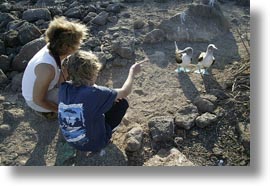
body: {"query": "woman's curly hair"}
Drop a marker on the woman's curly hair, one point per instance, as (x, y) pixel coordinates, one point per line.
(63, 35)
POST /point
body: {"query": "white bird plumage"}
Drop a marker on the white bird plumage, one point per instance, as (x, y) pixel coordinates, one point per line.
(206, 59)
(211, 2)
(183, 58)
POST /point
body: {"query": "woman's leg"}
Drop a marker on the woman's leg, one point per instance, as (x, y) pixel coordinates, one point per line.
(115, 115)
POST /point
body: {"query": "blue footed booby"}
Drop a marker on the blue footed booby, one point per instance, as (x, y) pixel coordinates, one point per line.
(206, 59)
(183, 57)
(211, 2)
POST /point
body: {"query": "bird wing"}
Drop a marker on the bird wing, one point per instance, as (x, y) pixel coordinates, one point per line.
(214, 60)
(178, 57)
(201, 56)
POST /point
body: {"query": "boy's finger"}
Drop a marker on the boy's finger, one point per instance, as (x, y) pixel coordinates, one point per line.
(143, 61)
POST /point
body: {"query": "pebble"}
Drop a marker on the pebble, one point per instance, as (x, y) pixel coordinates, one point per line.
(5, 128)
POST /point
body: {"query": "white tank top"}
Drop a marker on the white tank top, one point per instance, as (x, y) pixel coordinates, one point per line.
(29, 75)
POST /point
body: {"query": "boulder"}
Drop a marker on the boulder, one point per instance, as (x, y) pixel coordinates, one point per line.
(42, 3)
(89, 17)
(134, 139)
(11, 39)
(26, 53)
(115, 8)
(198, 23)
(75, 12)
(14, 25)
(205, 120)
(33, 15)
(28, 32)
(155, 36)
(172, 157)
(3, 78)
(124, 51)
(185, 118)
(138, 24)
(4, 63)
(101, 18)
(5, 18)
(16, 83)
(2, 47)
(161, 128)
(204, 104)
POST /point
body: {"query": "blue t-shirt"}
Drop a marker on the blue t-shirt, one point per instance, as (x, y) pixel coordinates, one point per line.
(81, 115)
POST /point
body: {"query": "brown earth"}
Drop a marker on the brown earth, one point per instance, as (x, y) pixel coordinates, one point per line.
(157, 91)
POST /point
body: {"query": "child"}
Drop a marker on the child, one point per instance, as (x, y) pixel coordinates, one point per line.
(88, 113)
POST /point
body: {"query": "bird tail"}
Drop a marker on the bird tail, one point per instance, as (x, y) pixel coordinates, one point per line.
(176, 47)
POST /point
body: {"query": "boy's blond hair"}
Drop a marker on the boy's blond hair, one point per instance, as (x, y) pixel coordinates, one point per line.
(63, 35)
(83, 67)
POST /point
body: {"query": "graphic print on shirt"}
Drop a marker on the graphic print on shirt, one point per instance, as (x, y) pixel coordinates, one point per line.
(72, 123)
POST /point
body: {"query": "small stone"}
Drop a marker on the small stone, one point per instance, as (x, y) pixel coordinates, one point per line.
(205, 120)
(217, 151)
(194, 133)
(5, 128)
(178, 140)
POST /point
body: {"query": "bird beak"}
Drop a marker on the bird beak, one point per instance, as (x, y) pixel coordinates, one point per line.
(215, 47)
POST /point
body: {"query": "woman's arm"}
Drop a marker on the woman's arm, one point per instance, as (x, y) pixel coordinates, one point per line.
(44, 75)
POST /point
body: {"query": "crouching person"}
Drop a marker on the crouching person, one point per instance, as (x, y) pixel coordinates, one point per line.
(87, 113)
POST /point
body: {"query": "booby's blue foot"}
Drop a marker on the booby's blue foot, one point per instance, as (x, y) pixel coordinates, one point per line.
(186, 70)
(205, 72)
(180, 69)
(199, 71)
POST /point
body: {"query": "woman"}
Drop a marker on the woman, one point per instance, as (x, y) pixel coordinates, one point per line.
(45, 71)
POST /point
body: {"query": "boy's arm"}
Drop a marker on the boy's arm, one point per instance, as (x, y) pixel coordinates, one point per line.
(127, 87)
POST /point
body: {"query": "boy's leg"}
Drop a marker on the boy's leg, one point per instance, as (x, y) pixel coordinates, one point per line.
(115, 115)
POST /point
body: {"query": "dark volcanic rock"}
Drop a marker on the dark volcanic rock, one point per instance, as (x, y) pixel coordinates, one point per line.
(16, 83)
(3, 78)
(123, 51)
(101, 18)
(205, 120)
(161, 128)
(199, 23)
(5, 18)
(154, 36)
(115, 8)
(4, 63)
(26, 53)
(28, 32)
(204, 105)
(2, 47)
(32, 15)
(11, 39)
(134, 139)
(185, 118)
(42, 3)
(75, 12)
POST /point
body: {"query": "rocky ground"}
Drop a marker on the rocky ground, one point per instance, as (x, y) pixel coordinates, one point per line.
(174, 119)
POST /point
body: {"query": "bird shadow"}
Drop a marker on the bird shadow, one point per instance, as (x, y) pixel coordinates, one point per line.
(210, 82)
(189, 89)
